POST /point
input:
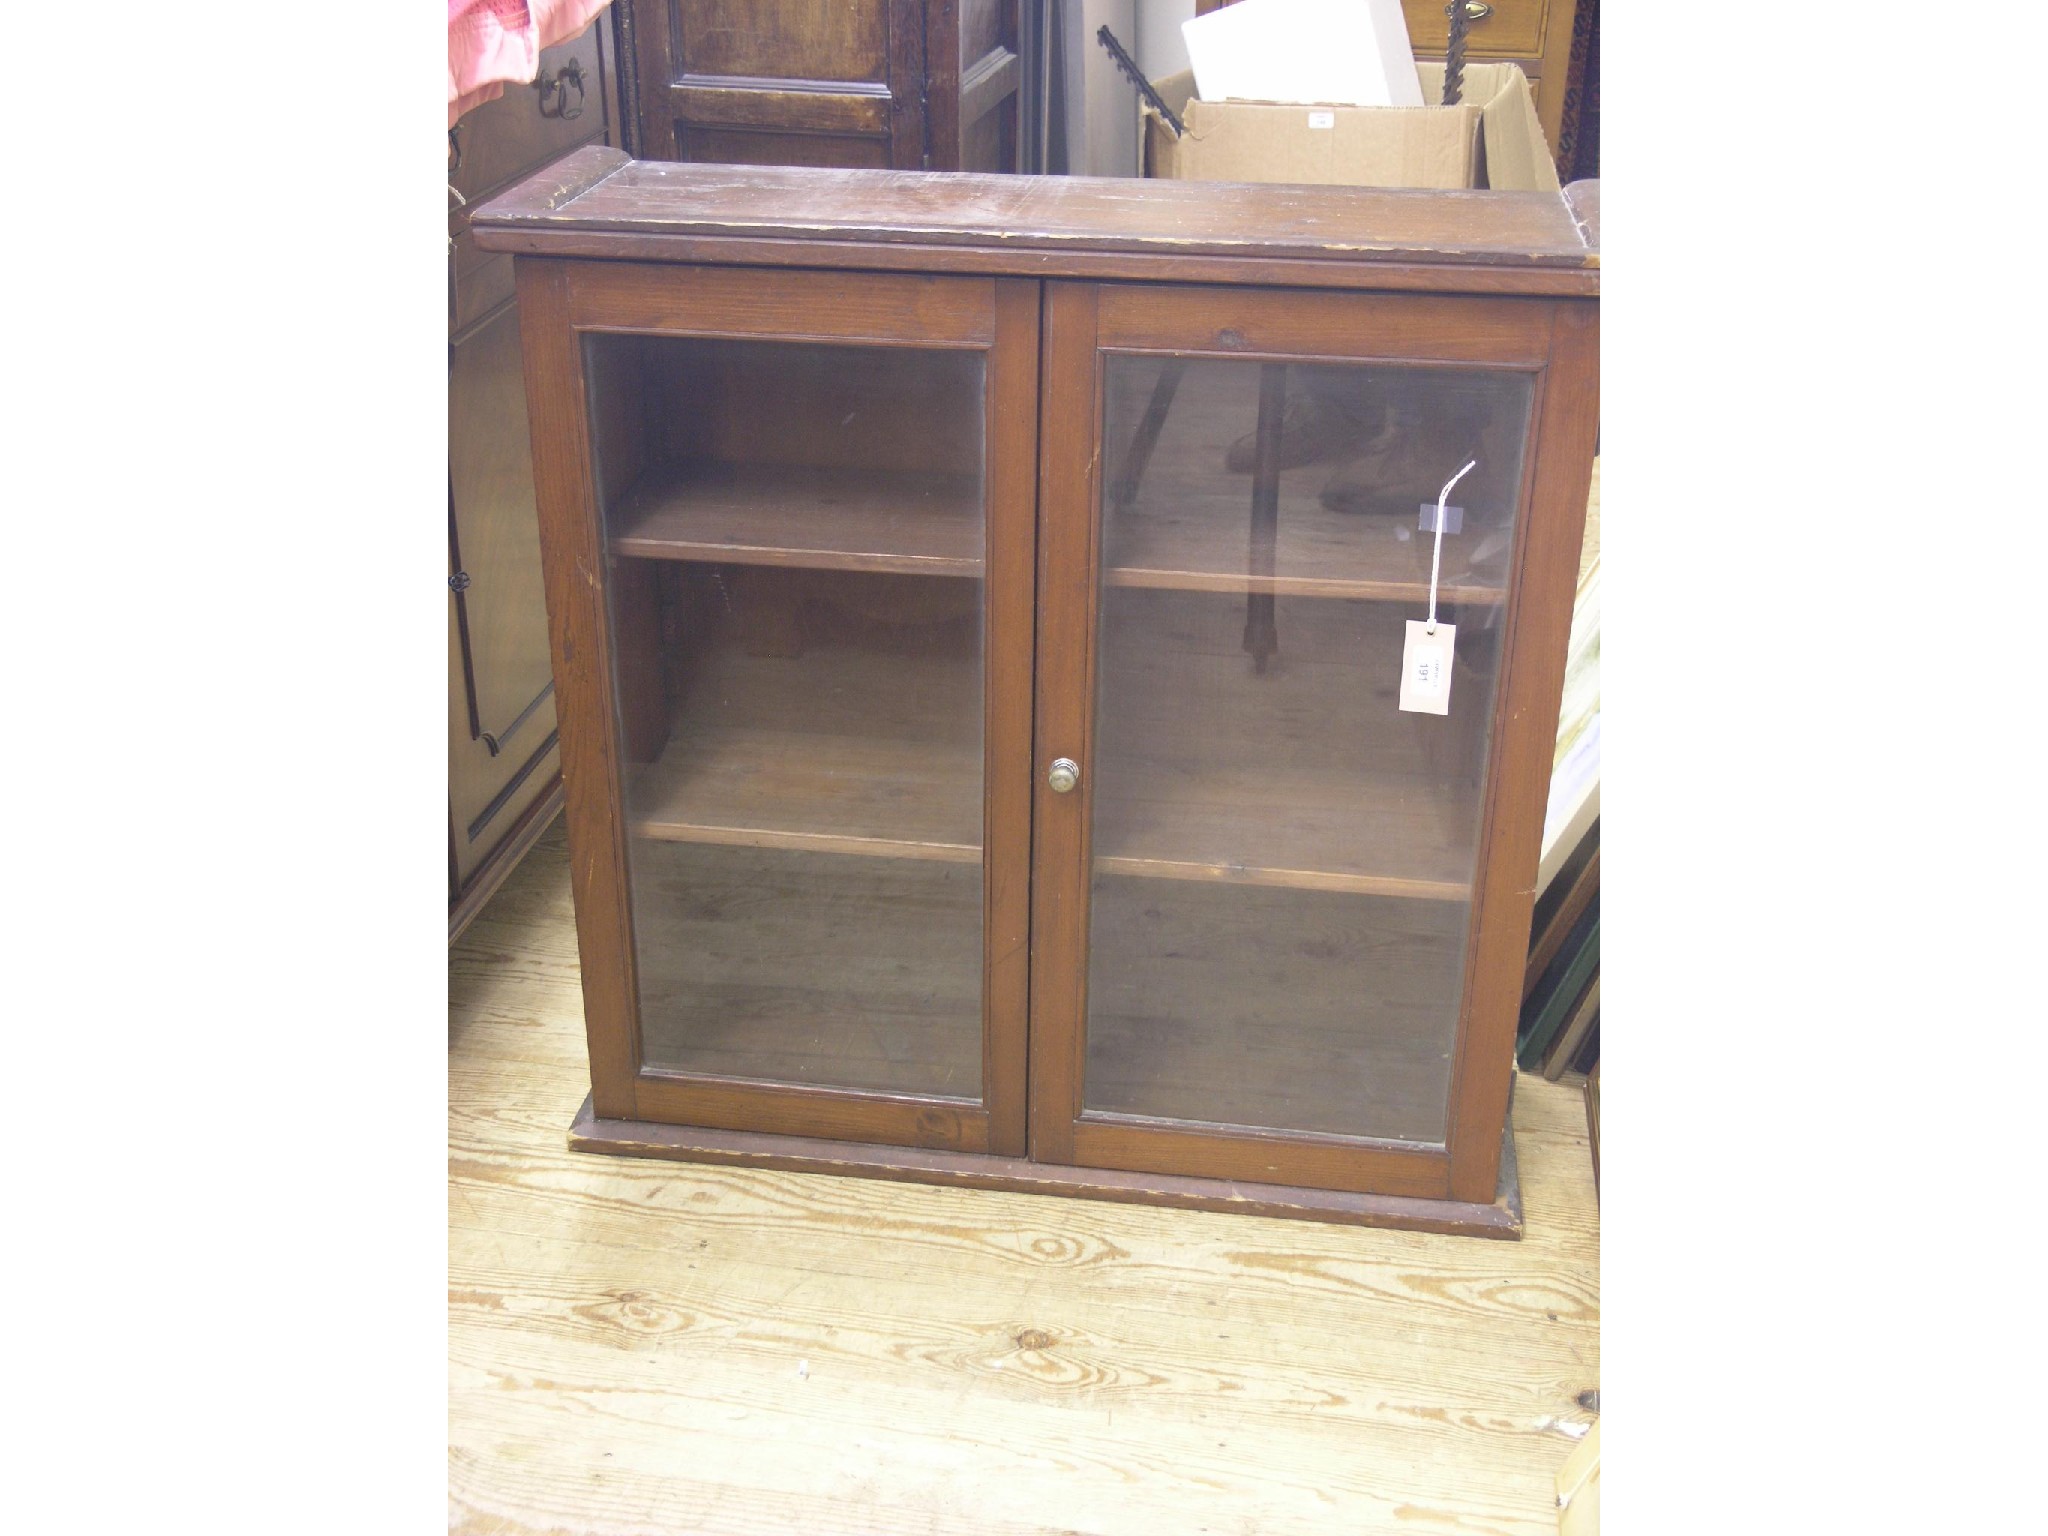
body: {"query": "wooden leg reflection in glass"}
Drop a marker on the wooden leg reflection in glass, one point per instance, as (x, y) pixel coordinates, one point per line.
(1260, 636)
(1146, 438)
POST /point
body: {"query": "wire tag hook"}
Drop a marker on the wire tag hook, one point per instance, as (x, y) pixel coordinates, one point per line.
(1427, 652)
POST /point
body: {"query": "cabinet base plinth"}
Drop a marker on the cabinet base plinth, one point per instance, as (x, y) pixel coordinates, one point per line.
(798, 1154)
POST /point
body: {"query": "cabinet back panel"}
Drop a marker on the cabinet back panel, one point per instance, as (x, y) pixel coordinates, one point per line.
(838, 407)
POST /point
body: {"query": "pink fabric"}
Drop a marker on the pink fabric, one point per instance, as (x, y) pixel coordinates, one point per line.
(559, 20)
(492, 42)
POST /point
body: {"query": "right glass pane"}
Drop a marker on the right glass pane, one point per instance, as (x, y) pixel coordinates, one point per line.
(1283, 857)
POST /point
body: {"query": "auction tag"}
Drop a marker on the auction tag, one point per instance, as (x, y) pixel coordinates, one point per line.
(1322, 119)
(1426, 668)
(1454, 519)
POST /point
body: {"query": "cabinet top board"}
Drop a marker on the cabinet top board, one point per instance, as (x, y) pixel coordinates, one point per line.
(598, 202)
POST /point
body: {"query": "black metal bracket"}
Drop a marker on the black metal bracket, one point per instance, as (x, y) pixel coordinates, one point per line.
(1129, 66)
(555, 89)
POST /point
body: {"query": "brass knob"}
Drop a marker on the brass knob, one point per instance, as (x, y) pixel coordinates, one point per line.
(1475, 10)
(1064, 775)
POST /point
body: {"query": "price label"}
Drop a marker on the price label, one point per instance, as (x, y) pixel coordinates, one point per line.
(1426, 667)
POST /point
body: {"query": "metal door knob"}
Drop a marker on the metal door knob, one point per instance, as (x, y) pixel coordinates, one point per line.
(1064, 775)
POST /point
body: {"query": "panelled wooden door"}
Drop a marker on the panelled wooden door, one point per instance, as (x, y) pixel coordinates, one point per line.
(886, 84)
(746, 83)
(791, 613)
(1270, 905)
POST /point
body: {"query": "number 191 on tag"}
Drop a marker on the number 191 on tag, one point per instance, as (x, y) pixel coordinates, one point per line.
(1426, 668)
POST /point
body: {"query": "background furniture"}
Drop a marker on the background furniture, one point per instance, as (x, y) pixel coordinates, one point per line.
(504, 783)
(1536, 34)
(905, 84)
(982, 753)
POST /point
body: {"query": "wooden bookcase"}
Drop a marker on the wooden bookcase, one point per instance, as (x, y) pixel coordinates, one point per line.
(977, 609)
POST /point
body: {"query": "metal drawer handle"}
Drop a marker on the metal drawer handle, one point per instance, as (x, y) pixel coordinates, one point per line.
(555, 89)
(1475, 10)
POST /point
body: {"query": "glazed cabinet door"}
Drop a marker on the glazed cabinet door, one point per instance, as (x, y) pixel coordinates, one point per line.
(790, 545)
(1276, 913)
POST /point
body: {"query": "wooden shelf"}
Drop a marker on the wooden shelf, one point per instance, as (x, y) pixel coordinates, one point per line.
(1189, 527)
(1379, 837)
(1194, 536)
(836, 750)
(797, 515)
(1308, 776)
(834, 973)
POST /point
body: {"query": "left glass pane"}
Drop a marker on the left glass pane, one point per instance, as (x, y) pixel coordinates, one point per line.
(795, 537)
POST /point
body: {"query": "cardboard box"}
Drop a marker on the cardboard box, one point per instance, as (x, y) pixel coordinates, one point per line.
(1491, 139)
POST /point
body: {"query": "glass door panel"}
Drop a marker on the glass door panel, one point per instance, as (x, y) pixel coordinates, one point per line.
(1282, 858)
(796, 543)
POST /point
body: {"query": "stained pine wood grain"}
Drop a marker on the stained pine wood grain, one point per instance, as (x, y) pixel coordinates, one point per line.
(601, 189)
(652, 1346)
(833, 520)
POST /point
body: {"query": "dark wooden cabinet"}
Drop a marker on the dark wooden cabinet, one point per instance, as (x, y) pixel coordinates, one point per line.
(983, 613)
(504, 780)
(902, 84)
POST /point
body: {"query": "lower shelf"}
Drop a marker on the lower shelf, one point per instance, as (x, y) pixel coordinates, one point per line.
(1307, 774)
(1273, 1009)
(636, 1138)
(847, 747)
(810, 968)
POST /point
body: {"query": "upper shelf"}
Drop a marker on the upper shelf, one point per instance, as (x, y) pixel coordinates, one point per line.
(1197, 539)
(598, 202)
(793, 515)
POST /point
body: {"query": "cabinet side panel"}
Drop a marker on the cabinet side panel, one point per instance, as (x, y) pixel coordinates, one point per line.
(573, 564)
(1525, 736)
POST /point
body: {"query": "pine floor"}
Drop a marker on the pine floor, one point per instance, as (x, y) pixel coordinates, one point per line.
(647, 1347)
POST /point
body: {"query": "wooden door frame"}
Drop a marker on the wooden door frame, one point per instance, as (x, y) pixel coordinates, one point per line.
(1083, 323)
(561, 303)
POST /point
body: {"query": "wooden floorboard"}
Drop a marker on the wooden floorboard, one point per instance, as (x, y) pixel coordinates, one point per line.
(652, 1347)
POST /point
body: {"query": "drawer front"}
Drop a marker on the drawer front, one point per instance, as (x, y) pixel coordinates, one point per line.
(532, 124)
(1511, 29)
(479, 281)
